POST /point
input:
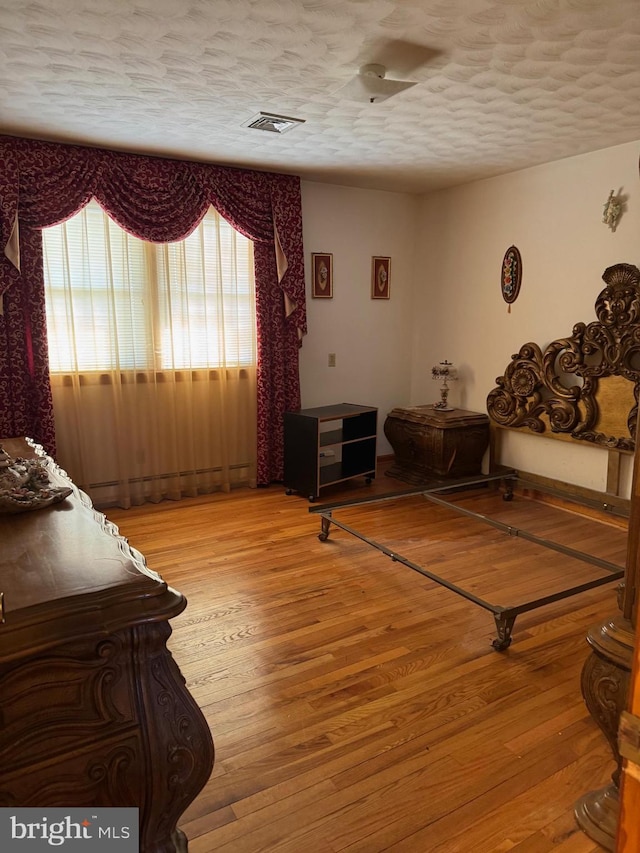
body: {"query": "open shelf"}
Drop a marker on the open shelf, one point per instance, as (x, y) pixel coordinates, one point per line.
(352, 431)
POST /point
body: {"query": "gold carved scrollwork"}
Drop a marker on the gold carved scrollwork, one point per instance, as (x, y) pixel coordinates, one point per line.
(557, 390)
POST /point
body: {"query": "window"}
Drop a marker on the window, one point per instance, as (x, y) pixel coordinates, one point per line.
(118, 303)
(138, 333)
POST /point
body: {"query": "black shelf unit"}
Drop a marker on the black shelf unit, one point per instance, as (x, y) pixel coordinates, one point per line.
(349, 430)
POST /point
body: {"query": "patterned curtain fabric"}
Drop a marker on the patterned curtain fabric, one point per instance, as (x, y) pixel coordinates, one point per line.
(160, 200)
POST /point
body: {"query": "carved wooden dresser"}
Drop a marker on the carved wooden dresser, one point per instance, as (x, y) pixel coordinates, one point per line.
(93, 708)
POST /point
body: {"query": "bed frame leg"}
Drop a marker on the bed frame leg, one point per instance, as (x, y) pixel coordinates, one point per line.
(504, 627)
(326, 524)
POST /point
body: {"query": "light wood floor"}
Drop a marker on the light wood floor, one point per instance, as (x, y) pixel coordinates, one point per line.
(357, 706)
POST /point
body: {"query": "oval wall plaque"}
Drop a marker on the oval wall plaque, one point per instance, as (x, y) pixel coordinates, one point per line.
(511, 276)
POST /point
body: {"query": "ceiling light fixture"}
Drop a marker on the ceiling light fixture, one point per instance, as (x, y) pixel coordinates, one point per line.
(371, 85)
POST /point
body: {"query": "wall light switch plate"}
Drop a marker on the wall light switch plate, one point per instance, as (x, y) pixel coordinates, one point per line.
(332, 359)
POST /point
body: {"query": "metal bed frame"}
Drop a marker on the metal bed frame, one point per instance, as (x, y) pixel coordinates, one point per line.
(504, 617)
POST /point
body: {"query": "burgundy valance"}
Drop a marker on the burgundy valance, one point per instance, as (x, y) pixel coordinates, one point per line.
(160, 200)
(154, 198)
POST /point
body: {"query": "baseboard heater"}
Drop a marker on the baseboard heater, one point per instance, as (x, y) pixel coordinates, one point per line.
(151, 478)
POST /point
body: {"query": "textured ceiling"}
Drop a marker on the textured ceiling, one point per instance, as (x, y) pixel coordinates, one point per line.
(507, 83)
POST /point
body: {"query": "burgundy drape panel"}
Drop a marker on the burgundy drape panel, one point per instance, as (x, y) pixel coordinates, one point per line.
(160, 200)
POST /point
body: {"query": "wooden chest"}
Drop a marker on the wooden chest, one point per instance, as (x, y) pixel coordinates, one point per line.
(435, 444)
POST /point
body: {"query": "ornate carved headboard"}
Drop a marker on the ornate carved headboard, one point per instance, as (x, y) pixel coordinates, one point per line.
(584, 387)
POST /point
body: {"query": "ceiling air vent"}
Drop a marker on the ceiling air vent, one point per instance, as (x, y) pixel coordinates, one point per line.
(273, 123)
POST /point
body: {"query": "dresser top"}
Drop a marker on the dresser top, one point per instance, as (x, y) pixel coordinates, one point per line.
(65, 568)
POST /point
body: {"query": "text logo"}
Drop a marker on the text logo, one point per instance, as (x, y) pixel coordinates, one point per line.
(105, 830)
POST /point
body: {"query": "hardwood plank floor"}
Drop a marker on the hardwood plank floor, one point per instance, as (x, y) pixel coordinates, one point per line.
(357, 706)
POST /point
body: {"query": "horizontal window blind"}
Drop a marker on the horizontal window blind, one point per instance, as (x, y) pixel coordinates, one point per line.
(115, 302)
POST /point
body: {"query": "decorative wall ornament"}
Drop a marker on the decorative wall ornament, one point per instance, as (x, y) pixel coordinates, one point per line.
(511, 275)
(322, 272)
(380, 277)
(612, 210)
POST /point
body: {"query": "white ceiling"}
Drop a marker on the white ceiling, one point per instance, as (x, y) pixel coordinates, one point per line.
(509, 84)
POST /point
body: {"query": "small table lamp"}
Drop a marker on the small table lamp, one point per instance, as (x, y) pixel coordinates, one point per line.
(444, 372)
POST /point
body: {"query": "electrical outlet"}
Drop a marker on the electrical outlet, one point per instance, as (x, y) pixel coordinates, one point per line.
(332, 359)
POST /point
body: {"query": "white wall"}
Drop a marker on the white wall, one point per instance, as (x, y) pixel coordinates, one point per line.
(553, 214)
(370, 337)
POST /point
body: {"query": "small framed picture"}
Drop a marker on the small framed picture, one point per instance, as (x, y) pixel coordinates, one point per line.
(322, 272)
(380, 277)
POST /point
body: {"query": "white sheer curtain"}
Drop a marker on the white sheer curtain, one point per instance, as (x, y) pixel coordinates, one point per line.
(152, 358)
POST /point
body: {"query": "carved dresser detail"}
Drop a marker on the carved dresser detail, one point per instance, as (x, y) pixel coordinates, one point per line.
(93, 709)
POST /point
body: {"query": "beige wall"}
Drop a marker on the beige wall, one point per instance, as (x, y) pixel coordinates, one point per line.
(446, 251)
(553, 214)
(371, 338)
